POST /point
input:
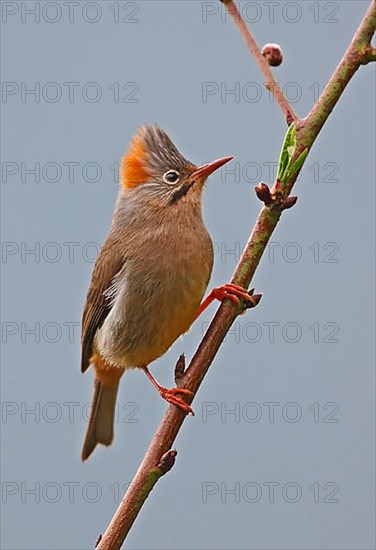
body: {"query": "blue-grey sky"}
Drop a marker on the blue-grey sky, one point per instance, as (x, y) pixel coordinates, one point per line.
(280, 453)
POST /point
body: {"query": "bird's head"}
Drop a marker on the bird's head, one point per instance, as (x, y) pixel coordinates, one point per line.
(154, 165)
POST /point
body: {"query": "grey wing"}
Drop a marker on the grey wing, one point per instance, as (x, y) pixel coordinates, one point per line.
(98, 305)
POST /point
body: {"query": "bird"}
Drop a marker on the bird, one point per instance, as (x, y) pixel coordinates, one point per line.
(150, 275)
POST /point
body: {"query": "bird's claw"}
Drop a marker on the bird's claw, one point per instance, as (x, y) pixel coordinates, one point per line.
(172, 396)
(235, 293)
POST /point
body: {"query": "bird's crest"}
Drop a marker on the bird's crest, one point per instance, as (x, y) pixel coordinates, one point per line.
(133, 170)
(151, 152)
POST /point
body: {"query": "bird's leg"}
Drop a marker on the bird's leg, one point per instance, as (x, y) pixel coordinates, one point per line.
(171, 395)
(230, 291)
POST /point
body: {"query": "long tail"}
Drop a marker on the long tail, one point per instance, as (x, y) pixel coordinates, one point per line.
(101, 423)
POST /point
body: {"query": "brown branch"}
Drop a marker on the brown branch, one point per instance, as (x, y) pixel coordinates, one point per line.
(270, 82)
(151, 469)
(360, 52)
(371, 54)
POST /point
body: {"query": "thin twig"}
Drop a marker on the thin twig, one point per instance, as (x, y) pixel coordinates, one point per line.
(270, 82)
(151, 468)
(360, 52)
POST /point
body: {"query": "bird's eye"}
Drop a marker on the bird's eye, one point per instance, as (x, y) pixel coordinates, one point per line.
(171, 176)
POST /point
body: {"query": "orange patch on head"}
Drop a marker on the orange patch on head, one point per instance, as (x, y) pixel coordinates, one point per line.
(133, 171)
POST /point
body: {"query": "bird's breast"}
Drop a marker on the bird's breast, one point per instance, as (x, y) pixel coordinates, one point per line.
(156, 297)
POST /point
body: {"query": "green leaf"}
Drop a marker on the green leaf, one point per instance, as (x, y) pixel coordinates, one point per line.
(285, 169)
(297, 164)
(287, 147)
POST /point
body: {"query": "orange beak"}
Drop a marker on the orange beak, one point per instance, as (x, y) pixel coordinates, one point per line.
(207, 169)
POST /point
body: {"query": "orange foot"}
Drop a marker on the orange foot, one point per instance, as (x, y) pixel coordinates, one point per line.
(233, 293)
(172, 396)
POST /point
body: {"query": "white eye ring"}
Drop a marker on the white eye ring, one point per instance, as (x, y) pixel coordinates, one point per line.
(171, 177)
